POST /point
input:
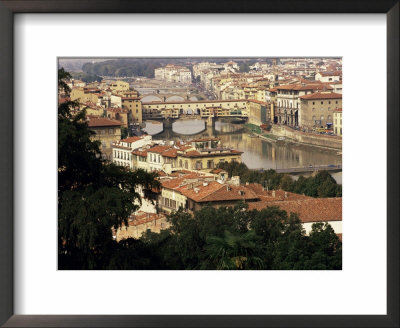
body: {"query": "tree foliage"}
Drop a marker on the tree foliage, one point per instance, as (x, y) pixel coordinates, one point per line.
(320, 185)
(94, 196)
(235, 238)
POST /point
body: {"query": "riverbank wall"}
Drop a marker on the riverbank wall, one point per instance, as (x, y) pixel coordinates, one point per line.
(334, 142)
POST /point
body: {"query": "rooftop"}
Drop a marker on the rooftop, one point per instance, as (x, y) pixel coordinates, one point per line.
(308, 209)
(322, 95)
(101, 121)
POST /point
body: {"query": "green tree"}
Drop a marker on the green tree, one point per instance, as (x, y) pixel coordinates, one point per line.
(234, 251)
(94, 196)
(124, 132)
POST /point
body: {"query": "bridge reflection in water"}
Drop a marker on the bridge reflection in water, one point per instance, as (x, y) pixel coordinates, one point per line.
(258, 153)
(191, 127)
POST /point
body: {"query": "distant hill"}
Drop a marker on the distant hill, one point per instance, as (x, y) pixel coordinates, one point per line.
(75, 64)
(127, 67)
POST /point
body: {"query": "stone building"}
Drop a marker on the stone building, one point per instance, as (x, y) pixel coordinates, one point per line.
(107, 132)
(288, 100)
(317, 109)
(134, 106)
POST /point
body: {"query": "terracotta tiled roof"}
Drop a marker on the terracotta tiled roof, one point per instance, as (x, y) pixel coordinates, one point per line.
(158, 149)
(100, 121)
(335, 73)
(322, 95)
(309, 210)
(172, 152)
(274, 195)
(214, 191)
(131, 139)
(142, 153)
(216, 171)
(143, 217)
(299, 87)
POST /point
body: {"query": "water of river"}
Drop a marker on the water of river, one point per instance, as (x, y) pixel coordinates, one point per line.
(257, 154)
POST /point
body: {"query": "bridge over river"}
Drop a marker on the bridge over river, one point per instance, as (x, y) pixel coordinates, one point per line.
(186, 125)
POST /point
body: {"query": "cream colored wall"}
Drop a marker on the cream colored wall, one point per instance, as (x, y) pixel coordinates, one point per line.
(337, 123)
(135, 107)
(173, 195)
(194, 105)
(81, 96)
(204, 160)
(308, 110)
(107, 136)
(137, 231)
(119, 86)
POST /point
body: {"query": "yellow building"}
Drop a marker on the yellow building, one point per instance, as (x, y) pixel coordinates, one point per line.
(337, 122)
(259, 112)
(118, 114)
(80, 95)
(316, 109)
(119, 86)
(204, 108)
(192, 192)
(206, 159)
(127, 93)
(107, 132)
(140, 223)
(92, 109)
(134, 106)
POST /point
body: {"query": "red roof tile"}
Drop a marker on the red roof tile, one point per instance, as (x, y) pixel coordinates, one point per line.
(100, 121)
(309, 210)
(322, 95)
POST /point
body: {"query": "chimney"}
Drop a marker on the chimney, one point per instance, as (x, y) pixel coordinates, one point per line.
(285, 194)
(273, 193)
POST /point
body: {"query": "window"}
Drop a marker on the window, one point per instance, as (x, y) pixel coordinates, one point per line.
(336, 101)
(329, 102)
(322, 117)
(313, 118)
(329, 117)
(322, 102)
(313, 102)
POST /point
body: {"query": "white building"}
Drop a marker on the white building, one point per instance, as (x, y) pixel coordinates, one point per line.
(328, 76)
(173, 73)
(122, 149)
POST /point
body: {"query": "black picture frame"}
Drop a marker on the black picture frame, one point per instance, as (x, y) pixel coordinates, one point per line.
(7, 10)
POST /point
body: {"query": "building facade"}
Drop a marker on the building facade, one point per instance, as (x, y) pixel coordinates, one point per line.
(337, 122)
(107, 132)
(317, 109)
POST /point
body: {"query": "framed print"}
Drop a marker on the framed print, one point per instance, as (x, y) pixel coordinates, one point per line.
(240, 96)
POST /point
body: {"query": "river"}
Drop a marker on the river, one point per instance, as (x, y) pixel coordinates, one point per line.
(257, 153)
